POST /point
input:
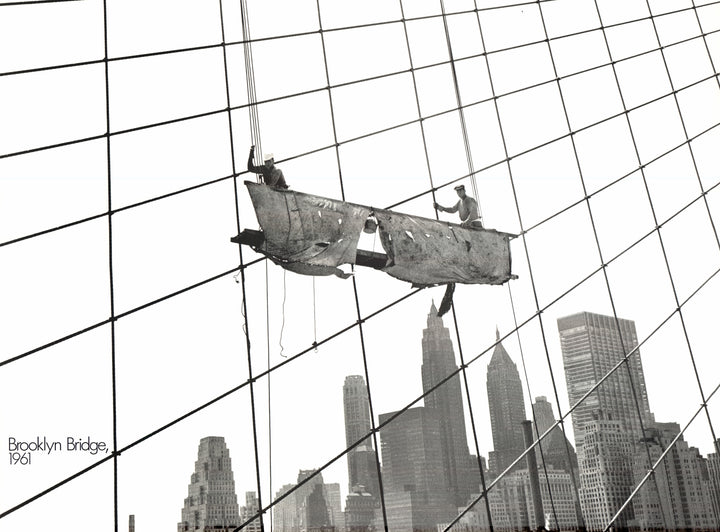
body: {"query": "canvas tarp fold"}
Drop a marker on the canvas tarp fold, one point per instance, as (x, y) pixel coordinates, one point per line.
(427, 252)
(307, 234)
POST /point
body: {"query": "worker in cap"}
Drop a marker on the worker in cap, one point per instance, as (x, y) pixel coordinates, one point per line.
(466, 207)
(271, 174)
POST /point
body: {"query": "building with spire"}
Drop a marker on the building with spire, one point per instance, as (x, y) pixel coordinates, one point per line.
(363, 482)
(211, 503)
(362, 459)
(438, 361)
(557, 451)
(507, 410)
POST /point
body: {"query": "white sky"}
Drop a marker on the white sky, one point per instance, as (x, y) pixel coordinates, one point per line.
(179, 353)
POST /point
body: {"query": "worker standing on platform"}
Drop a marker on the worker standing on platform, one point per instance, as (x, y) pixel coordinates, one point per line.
(466, 207)
(271, 174)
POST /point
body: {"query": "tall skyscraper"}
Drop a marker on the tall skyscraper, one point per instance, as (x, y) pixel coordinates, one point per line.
(362, 459)
(606, 424)
(211, 500)
(507, 410)
(592, 344)
(416, 489)
(463, 476)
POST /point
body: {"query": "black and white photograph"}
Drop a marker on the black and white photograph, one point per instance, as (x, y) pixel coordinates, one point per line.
(360, 265)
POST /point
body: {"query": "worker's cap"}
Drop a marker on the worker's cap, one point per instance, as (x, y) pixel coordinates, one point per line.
(460, 187)
(268, 156)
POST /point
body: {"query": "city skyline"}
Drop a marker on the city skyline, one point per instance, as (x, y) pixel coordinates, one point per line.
(419, 441)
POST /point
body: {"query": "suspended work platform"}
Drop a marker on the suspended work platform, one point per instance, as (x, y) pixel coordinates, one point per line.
(313, 235)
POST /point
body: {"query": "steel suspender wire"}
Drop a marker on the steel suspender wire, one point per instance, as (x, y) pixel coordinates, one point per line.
(354, 282)
(242, 272)
(111, 281)
(457, 332)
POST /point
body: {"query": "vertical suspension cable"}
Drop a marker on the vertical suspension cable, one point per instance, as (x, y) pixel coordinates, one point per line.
(432, 187)
(111, 281)
(527, 253)
(242, 273)
(269, 390)
(355, 292)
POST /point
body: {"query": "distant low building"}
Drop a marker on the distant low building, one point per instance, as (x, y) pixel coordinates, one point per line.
(312, 507)
(250, 511)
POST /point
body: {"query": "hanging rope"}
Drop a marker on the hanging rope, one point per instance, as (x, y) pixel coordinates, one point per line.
(461, 112)
(253, 115)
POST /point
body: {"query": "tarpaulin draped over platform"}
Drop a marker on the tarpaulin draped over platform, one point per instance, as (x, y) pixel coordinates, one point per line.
(305, 233)
(426, 252)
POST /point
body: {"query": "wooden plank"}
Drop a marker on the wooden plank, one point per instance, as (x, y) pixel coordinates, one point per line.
(370, 259)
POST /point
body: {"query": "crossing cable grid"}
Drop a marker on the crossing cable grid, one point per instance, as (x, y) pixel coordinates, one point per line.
(215, 277)
(594, 231)
(368, 386)
(600, 254)
(660, 239)
(291, 95)
(111, 281)
(707, 206)
(93, 326)
(532, 281)
(246, 327)
(243, 268)
(378, 312)
(211, 113)
(599, 249)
